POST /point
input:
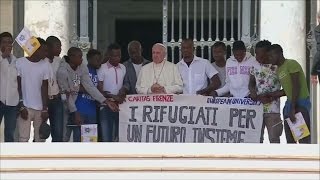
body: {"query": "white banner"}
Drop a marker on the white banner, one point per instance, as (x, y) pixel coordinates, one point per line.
(190, 119)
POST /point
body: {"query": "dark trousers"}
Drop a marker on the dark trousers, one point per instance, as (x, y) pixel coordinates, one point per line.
(55, 111)
(289, 137)
(109, 124)
(10, 120)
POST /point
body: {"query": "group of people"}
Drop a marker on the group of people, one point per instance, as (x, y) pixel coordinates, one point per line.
(70, 93)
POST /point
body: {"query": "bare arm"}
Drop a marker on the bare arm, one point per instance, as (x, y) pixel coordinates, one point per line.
(252, 87)
(295, 87)
(100, 86)
(19, 90)
(214, 84)
(44, 97)
(44, 94)
(126, 85)
(212, 73)
(123, 91)
(276, 94)
(23, 111)
(221, 91)
(225, 89)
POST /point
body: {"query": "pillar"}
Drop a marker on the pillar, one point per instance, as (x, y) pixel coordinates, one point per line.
(284, 23)
(246, 19)
(84, 43)
(45, 18)
(6, 16)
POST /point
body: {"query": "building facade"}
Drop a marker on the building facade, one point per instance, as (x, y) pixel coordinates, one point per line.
(96, 23)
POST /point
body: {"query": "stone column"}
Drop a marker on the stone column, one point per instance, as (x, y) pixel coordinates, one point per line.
(45, 18)
(6, 16)
(314, 88)
(246, 18)
(84, 43)
(95, 24)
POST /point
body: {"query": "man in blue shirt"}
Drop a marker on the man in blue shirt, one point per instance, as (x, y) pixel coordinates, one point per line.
(86, 105)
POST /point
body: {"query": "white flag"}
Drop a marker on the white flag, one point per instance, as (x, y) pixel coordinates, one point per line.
(89, 133)
(28, 42)
(23, 37)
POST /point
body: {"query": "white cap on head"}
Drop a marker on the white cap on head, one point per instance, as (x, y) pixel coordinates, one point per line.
(161, 45)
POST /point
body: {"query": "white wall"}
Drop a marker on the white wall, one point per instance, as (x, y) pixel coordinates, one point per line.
(158, 161)
(45, 18)
(6, 16)
(283, 22)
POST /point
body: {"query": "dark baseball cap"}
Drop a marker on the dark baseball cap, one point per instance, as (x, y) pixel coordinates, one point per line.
(44, 130)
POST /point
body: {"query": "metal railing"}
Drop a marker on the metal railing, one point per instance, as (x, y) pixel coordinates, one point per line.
(208, 21)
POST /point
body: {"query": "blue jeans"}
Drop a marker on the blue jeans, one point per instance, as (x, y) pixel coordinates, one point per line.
(87, 119)
(109, 124)
(10, 120)
(55, 111)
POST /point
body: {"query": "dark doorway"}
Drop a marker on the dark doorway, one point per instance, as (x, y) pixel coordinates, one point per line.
(148, 32)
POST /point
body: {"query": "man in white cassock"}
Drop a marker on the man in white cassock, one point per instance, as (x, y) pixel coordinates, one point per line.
(159, 76)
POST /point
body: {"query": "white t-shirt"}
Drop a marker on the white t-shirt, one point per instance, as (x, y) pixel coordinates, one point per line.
(195, 77)
(137, 68)
(53, 88)
(112, 77)
(32, 74)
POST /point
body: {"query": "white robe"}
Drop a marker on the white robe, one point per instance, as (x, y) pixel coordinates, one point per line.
(166, 74)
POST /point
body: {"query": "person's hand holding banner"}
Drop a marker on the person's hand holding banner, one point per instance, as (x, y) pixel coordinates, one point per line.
(189, 119)
(112, 105)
